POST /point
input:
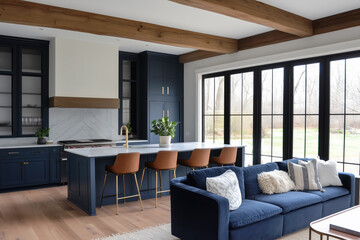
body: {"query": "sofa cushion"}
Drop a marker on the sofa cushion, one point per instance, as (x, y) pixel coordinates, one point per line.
(283, 164)
(289, 201)
(197, 178)
(251, 211)
(330, 193)
(251, 174)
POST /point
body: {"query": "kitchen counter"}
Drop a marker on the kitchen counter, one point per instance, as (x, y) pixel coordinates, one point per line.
(131, 141)
(26, 145)
(87, 170)
(143, 149)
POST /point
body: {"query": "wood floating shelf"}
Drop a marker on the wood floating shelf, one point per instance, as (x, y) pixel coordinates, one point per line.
(80, 102)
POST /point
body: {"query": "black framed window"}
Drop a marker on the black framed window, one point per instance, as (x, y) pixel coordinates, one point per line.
(306, 82)
(272, 94)
(241, 112)
(345, 113)
(214, 109)
(301, 108)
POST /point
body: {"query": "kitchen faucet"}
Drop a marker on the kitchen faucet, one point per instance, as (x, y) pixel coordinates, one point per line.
(126, 145)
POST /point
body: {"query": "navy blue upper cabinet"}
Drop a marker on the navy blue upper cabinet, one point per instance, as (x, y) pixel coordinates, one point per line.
(23, 86)
(163, 76)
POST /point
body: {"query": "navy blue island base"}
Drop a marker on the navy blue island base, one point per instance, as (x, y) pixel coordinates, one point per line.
(87, 169)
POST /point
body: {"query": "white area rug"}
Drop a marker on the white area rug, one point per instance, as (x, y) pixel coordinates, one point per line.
(163, 232)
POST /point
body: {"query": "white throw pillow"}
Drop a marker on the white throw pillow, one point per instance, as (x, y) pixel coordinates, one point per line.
(305, 175)
(226, 185)
(328, 174)
(275, 182)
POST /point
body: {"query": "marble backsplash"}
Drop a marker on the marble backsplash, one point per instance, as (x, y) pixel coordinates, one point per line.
(80, 123)
(76, 123)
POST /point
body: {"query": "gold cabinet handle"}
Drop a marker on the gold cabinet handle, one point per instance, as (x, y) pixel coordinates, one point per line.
(163, 113)
(162, 90)
(168, 90)
(13, 153)
(25, 163)
(168, 113)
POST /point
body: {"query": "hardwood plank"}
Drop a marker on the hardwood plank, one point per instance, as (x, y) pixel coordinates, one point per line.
(256, 12)
(34, 14)
(337, 22)
(324, 25)
(47, 214)
(78, 102)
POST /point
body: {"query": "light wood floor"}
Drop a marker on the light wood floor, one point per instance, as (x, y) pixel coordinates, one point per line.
(47, 214)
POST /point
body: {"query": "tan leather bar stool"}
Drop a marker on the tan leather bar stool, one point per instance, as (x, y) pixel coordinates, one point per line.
(125, 163)
(165, 160)
(199, 158)
(227, 156)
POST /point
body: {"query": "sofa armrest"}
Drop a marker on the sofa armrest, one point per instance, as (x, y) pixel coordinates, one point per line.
(348, 180)
(197, 214)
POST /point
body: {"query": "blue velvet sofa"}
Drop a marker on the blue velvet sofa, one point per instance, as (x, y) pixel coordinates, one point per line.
(198, 214)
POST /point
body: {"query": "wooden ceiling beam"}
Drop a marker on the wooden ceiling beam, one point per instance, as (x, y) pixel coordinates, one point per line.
(323, 25)
(34, 14)
(256, 12)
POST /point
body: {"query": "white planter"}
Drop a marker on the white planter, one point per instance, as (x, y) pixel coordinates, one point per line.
(165, 141)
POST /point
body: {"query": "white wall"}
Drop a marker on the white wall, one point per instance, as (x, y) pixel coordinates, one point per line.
(83, 69)
(324, 44)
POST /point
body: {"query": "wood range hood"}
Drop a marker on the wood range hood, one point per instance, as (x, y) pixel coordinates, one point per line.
(82, 102)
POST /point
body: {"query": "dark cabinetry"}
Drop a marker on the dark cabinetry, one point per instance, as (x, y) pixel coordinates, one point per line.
(23, 86)
(163, 76)
(29, 166)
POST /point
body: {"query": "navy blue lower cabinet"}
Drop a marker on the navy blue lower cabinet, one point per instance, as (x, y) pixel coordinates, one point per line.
(29, 167)
(54, 165)
(35, 171)
(10, 173)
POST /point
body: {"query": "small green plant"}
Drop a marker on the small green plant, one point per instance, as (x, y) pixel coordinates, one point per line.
(43, 132)
(164, 127)
(128, 125)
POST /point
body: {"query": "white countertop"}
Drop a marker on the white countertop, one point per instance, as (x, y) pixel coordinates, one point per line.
(26, 145)
(144, 149)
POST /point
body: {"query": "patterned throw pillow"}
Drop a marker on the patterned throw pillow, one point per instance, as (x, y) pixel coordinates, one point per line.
(305, 175)
(226, 185)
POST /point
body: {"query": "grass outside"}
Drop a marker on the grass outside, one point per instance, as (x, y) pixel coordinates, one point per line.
(352, 143)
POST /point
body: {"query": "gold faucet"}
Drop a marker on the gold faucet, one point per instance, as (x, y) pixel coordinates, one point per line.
(126, 145)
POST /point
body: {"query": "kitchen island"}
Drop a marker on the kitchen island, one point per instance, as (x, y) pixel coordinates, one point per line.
(86, 170)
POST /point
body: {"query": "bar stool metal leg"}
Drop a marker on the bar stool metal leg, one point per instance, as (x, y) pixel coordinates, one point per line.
(142, 177)
(160, 181)
(156, 187)
(117, 193)
(124, 187)
(102, 194)
(137, 187)
(174, 173)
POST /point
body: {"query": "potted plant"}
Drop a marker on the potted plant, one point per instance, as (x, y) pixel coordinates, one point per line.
(165, 129)
(41, 134)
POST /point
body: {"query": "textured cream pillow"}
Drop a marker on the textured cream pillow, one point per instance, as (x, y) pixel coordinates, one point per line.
(328, 174)
(275, 182)
(226, 185)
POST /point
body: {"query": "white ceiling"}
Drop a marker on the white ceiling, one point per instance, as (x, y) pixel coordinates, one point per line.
(167, 13)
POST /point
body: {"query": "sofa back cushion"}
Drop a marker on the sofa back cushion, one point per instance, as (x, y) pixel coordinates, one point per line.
(198, 178)
(251, 174)
(283, 164)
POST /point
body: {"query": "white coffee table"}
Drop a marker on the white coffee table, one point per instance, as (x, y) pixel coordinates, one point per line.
(322, 226)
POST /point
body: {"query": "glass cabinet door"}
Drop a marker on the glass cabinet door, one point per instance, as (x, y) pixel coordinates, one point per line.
(5, 91)
(31, 119)
(5, 105)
